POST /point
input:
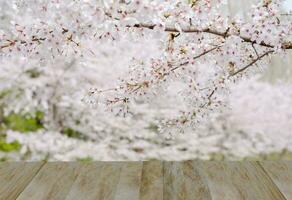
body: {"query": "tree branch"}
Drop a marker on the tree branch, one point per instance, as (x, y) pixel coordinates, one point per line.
(224, 34)
(252, 63)
(196, 57)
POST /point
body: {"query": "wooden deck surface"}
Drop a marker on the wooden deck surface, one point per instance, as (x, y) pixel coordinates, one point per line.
(151, 180)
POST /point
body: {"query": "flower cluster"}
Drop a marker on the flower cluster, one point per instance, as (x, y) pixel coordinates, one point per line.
(190, 48)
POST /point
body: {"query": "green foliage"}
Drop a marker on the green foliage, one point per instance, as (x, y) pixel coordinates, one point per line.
(4, 93)
(86, 159)
(24, 123)
(283, 155)
(3, 159)
(73, 133)
(217, 156)
(153, 127)
(8, 147)
(33, 73)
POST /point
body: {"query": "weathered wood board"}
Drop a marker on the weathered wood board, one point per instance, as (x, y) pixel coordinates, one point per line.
(148, 180)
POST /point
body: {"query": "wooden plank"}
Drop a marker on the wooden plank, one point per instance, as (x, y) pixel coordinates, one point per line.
(238, 181)
(152, 181)
(129, 182)
(281, 174)
(182, 181)
(52, 182)
(97, 180)
(219, 183)
(251, 181)
(15, 176)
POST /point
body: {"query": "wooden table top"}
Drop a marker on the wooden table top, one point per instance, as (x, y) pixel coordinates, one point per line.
(149, 180)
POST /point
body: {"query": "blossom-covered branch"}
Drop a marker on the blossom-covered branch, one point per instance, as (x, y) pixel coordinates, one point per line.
(199, 50)
(252, 63)
(225, 34)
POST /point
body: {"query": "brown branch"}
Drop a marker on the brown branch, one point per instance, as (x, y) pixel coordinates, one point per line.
(10, 44)
(252, 63)
(256, 52)
(224, 34)
(145, 84)
(196, 57)
(185, 30)
(5, 46)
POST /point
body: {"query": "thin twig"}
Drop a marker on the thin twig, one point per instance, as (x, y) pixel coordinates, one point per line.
(255, 50)
(252, 63)
(196, 57)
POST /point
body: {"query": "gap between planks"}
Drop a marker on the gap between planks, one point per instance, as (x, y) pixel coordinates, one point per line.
(42, 165)
(175, 179)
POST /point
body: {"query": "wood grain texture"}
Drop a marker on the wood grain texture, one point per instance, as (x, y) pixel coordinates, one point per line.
(97, 180)
(52, 182)
(219, 183)
(251, 181)
(14, 177)
(129, 181)
(149, 180)
(182, 181)
(281, 174)
(152, 181)
(231, 180)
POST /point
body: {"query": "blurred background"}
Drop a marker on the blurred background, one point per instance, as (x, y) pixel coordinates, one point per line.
(44, 116)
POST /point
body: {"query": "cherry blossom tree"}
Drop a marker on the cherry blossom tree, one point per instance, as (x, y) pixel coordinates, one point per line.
(117, 55)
